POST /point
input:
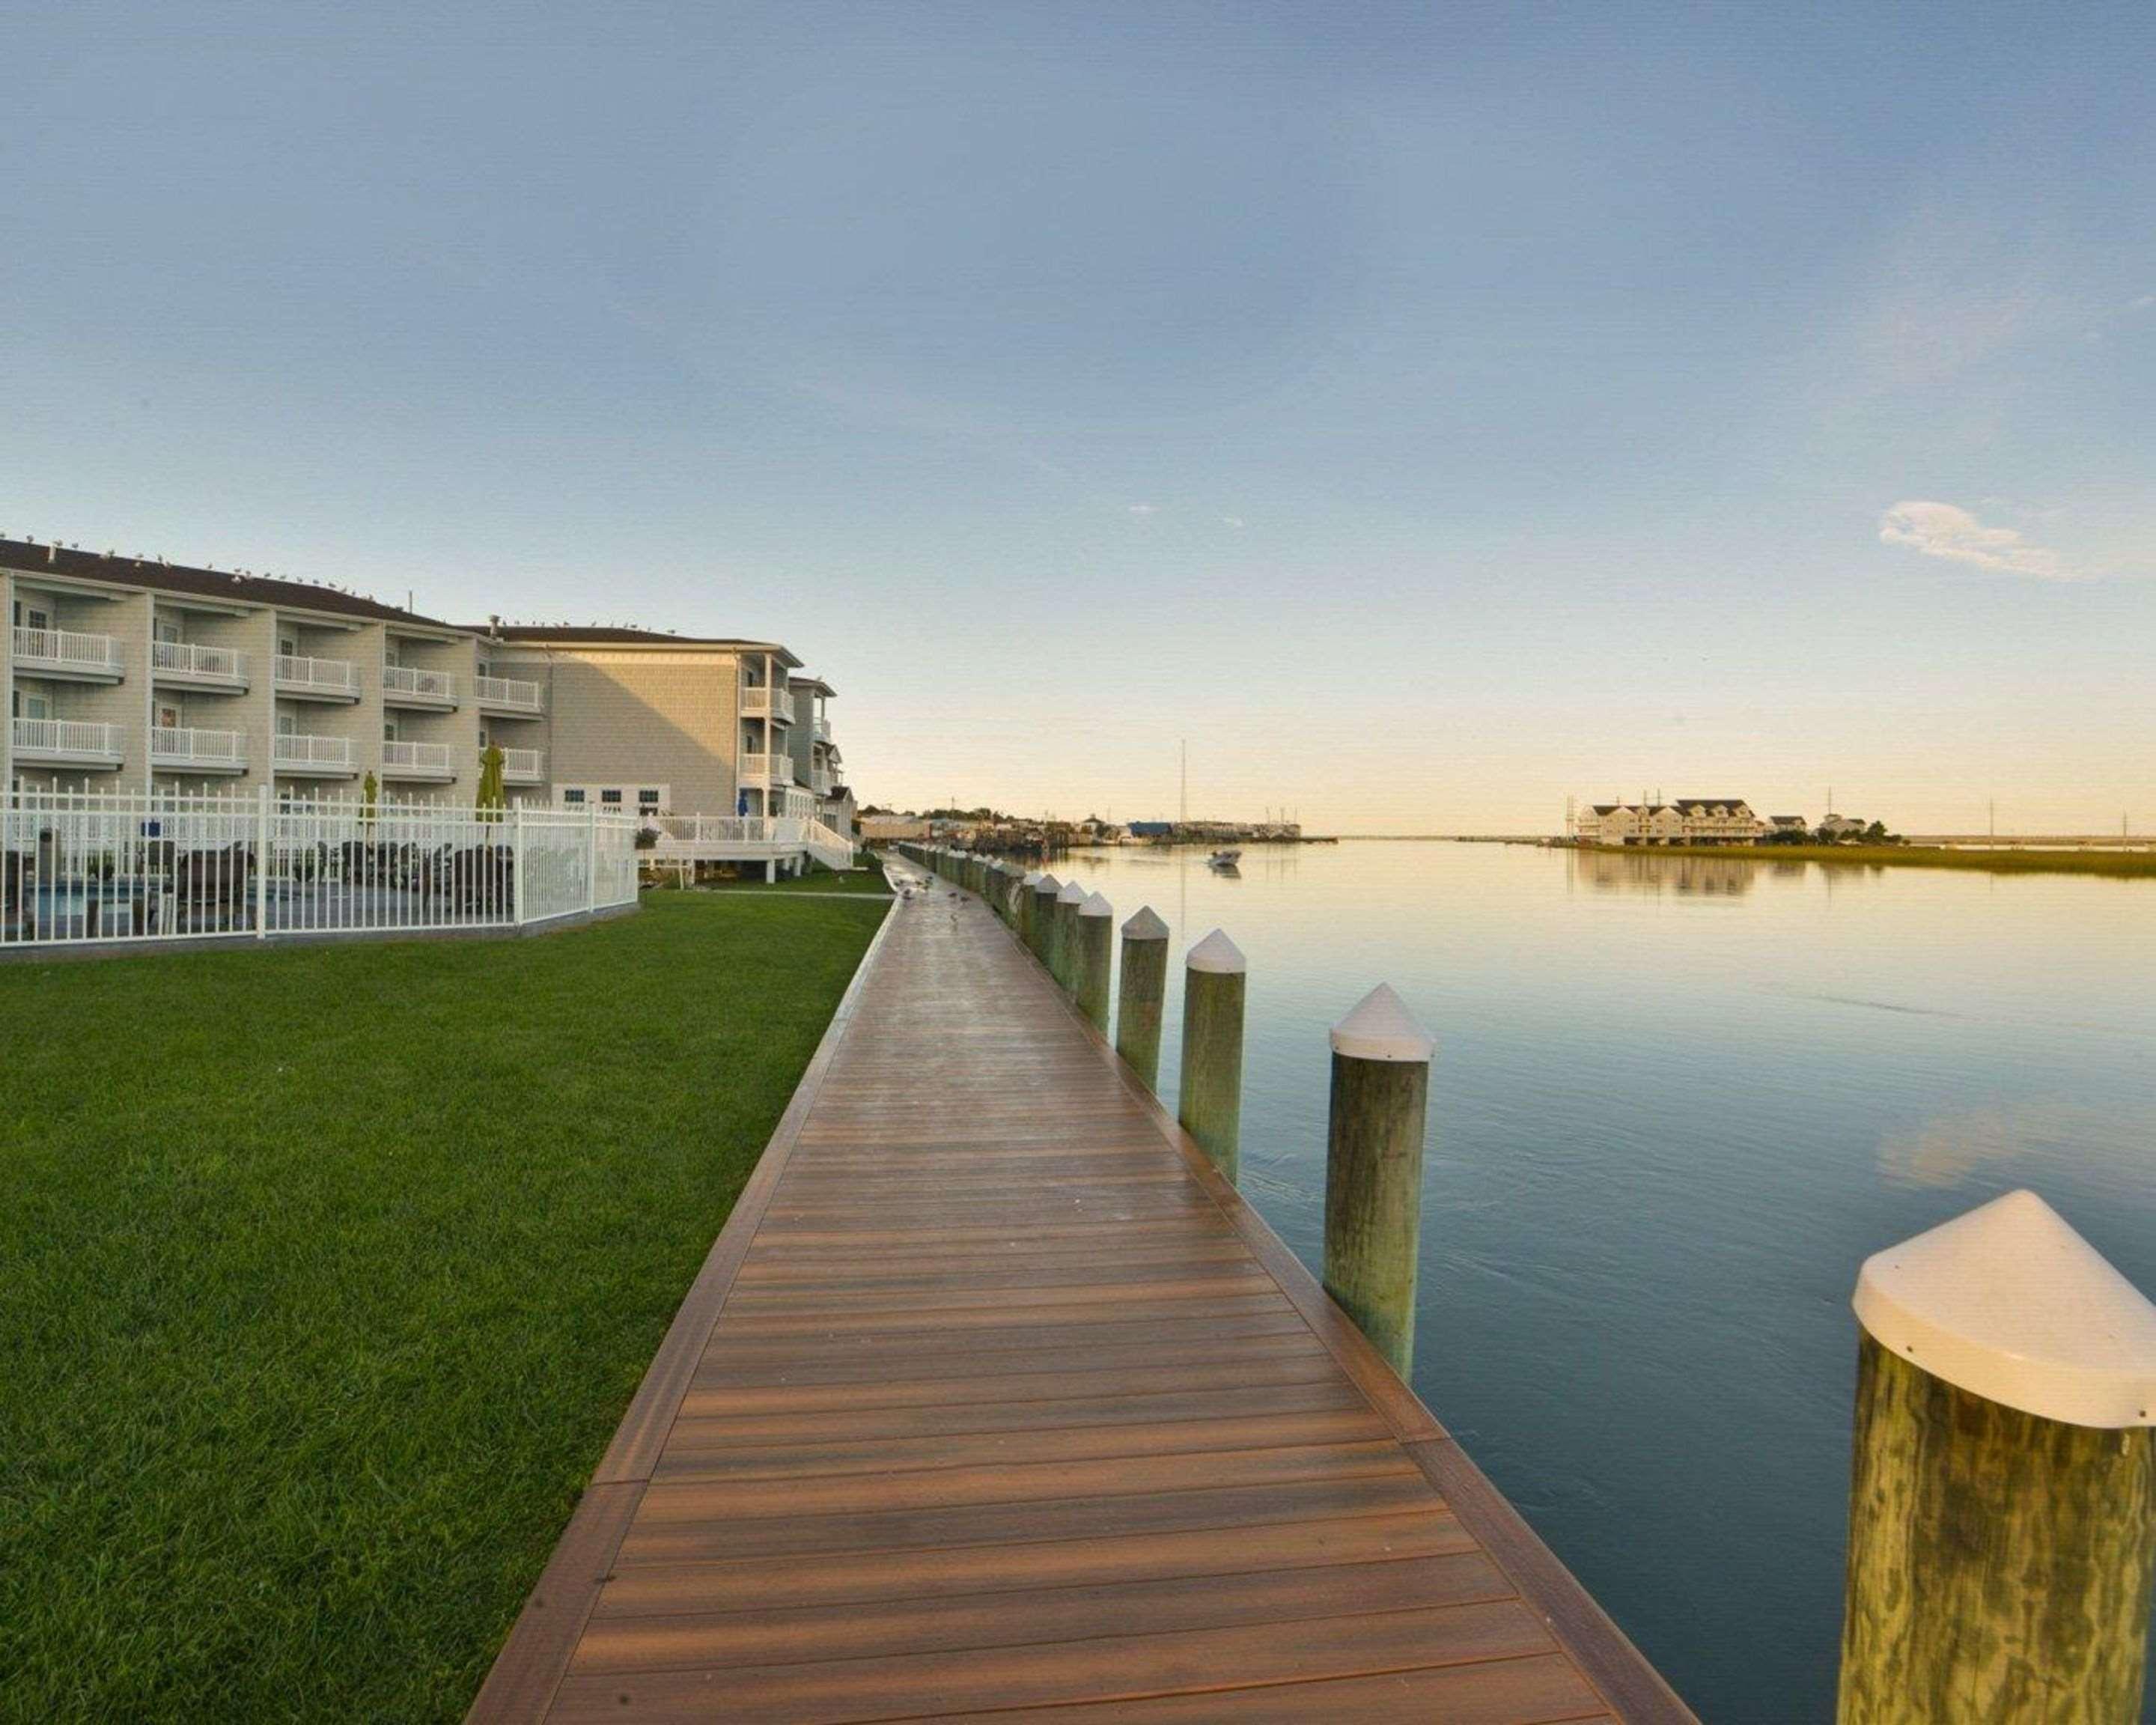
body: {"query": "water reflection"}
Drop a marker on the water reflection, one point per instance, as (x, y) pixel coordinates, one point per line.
(1698, 876)
(1677, 1101)
(2025, 1139)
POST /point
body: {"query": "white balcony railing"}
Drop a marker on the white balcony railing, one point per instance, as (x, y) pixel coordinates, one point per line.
(767, 769)
(523, 766)
(320, 676)
(430, 757)
(170, 746)
(821, 781)
(430, 684)
(512, 692)
(760, 700)
(184, 659)
(65, 649)
(76, 739)
(823, 731)
(330, 753)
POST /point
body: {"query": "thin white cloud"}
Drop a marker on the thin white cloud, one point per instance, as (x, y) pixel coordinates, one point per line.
(1232, 520)
(1941, 530)
(1140, 508)
(2143, 303)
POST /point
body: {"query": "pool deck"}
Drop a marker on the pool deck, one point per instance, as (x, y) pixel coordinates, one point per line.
(994, 1400)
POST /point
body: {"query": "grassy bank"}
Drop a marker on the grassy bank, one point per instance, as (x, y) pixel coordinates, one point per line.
(2127, 864)
(328, 1274)
(867, 882)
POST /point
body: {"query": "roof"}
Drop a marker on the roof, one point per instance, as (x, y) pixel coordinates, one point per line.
(27, 557)
(800, 680)
(570, 634)
(1787, 820)
(1703, 802)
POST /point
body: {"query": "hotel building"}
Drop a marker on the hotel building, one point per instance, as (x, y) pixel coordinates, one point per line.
(1689, 820)
(137, 675)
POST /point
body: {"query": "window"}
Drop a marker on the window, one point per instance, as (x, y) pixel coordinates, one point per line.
(289, 645)
(168, 718)
(28, 616)
(389, 730)
(287, 725)
(33, 706)
(573, 795)
(168, 628)
(611, 798)
(647, 800)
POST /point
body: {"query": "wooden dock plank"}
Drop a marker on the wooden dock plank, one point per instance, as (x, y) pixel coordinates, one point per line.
(994, 1400)
(1048, 1673)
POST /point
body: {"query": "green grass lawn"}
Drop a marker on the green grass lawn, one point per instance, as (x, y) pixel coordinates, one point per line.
(326, 1275)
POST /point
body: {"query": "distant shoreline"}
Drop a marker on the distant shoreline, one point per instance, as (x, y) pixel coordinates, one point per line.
(2121, 864)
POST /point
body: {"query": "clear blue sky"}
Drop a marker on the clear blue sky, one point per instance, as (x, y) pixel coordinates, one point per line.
(1426, 411)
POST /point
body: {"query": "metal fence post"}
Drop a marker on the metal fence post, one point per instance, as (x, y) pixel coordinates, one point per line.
(262, 863)
(517, 869)
(590, 859)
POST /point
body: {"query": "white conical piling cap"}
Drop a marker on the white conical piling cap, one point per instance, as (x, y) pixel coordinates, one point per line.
(1033, 878)
(2009, 1303)
(1097, 906)
(1047, 883)
(1381, 1028)
(1072, 894)
(1145, 927)
(1217, 955)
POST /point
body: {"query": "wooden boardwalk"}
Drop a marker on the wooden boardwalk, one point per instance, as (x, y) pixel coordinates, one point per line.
(992, 1401)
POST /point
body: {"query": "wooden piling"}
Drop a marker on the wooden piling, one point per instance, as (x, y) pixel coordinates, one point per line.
(1093, 957)
(1210, 1100)
(2002, 1521)
(1043, 915)
(1374, 1170)
(1063, 943)
(1142, 993)
(1023, 900)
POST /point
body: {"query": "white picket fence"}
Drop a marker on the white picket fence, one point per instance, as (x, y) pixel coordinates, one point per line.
(88, 868)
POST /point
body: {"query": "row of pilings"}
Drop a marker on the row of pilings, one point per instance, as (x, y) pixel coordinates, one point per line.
(2002, 1526)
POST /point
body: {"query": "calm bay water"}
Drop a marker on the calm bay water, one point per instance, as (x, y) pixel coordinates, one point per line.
(1676, 1101)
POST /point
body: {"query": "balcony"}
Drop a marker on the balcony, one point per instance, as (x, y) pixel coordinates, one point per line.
(768, 769)
(823, 731)
(65, 742)
(508, 695)
(190, 751)
(301, 757)
(406, 686)
(416, 760)
(193, 667)
(317, 679)
(821, 781)
(760, 700)
(523, 766)
(64, 653)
